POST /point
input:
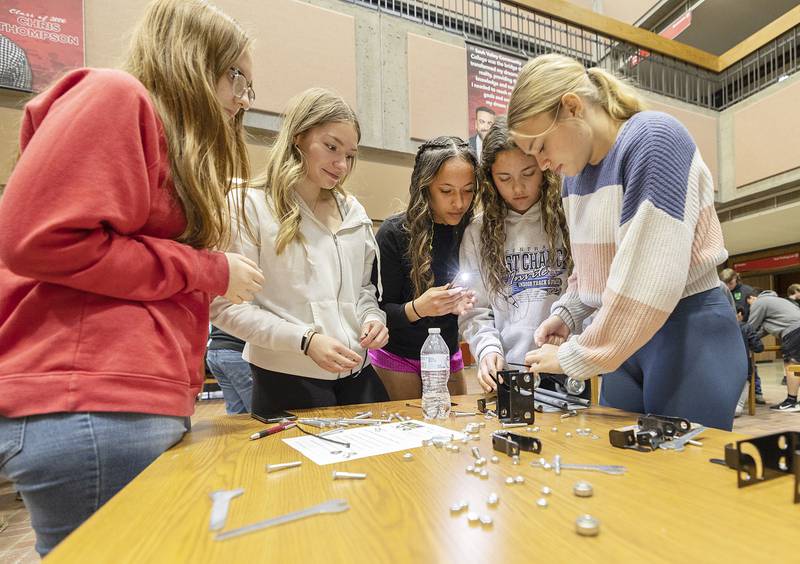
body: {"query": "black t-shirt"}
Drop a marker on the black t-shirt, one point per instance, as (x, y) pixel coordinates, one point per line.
(406, 338)
(220, 340)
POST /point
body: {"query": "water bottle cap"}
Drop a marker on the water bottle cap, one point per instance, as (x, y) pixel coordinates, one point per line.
(434, 331)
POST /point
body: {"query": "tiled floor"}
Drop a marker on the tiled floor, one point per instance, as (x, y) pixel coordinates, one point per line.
(17, 539)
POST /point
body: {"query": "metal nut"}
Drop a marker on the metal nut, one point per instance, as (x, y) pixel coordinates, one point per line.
(583, 489)
(587, 526)
(493, 499)
(546, 490)
(541, 502)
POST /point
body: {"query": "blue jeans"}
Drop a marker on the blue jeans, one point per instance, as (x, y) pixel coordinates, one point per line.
(234, 377)
(694, 367)
(67, 465)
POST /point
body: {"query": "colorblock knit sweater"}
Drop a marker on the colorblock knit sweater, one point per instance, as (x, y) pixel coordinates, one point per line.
(644, 234)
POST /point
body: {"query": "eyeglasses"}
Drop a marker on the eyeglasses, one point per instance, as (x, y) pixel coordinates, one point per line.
(241, 89)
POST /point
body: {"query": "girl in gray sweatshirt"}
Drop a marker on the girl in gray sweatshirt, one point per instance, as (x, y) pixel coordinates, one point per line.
(515, 255)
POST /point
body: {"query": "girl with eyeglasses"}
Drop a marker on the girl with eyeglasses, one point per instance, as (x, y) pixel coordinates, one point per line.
(419, 266)
(516, 251)
(108, 227)
(645, 238)
(308, 330)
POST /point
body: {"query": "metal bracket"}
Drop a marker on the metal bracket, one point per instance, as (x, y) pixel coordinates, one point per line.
(511, 443)
(765, 458)
(650, 432)
(515, 397)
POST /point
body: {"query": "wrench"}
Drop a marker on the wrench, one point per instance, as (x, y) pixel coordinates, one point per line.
(221, 499)
(331, 506)
(677, 443)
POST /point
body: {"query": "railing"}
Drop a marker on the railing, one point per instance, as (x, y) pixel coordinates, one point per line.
(526, 32)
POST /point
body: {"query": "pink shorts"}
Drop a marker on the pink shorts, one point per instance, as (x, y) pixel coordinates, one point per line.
(388, 361)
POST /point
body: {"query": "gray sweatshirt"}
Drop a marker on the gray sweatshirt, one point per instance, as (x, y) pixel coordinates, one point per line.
(774, 315)
(506, 326)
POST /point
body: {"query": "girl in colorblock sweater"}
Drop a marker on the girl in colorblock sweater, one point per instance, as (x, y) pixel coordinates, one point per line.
(645, 240)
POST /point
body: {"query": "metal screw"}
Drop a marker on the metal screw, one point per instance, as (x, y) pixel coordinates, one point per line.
(476, 453)
(282, 466)
(348, 475)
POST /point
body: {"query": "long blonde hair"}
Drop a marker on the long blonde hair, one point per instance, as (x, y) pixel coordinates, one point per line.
(495, 210)
(179, 52)
(286, 166)
(418, 223)
(545, 79)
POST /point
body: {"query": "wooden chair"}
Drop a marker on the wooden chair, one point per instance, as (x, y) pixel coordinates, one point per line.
(751, 385)
(595, 390)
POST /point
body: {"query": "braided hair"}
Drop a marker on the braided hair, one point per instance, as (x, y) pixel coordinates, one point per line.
(418, 222)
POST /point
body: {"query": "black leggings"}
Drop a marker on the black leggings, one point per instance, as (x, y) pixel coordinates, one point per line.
(276, 391)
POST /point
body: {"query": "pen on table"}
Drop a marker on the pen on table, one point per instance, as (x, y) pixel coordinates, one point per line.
(272, 430)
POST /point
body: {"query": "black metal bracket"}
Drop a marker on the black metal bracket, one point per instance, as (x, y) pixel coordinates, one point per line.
(649, 432)
(764, 458)
(511, 443)
(515, 397)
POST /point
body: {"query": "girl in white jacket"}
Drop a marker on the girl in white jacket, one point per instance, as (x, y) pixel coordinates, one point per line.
(516, 254)
(309, 328)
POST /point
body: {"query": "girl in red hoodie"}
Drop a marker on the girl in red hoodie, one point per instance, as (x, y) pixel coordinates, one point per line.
(106, 268)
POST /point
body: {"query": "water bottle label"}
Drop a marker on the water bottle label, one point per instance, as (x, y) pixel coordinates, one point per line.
(432, 362)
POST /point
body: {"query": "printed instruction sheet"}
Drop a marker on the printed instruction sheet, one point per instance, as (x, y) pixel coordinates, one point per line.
(370, 440)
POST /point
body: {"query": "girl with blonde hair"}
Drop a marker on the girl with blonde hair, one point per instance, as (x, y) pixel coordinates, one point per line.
(517, 253)
(419, 266)
(645, 239)
(107, 267)
(308, 330)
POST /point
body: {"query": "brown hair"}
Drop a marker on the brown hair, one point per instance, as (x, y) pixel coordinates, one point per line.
(179, 52)
(418, 223)
(495, 211)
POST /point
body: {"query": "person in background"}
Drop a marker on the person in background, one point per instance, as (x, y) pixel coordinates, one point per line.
(484, 120)
(769, 313)
(739, 291)
(419, 266)
(108, 227)
(517, 253)
(754, 345)
(645, 239)
(308, 330)
(793, 294)
(225, 362)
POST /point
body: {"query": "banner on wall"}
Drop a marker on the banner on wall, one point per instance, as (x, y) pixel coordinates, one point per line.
(39, 41)
(491, 76)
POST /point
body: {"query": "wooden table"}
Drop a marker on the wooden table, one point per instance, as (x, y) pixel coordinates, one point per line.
(670, 506)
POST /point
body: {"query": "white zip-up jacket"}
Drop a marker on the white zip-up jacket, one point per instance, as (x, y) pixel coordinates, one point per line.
(321, 283)
(536, 280)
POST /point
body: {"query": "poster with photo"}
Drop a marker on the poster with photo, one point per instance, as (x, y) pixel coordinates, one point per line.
(39, 41)
(491, 76)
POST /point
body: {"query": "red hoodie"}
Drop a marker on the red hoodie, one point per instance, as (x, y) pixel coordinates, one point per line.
(100, 308)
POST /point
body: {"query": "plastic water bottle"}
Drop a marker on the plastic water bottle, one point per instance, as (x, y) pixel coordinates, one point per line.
(435, 360)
